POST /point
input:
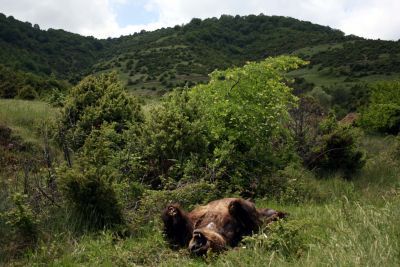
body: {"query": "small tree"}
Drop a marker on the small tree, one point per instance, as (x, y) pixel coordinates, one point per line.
(94, 101)
(306, 117)
(94, 119)
(174, 137)
(98, 187)
(246, 111)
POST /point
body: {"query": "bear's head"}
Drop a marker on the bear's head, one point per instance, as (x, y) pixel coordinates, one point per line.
(205, 239)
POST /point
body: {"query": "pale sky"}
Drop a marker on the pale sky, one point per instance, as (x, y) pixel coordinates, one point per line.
(112, 18)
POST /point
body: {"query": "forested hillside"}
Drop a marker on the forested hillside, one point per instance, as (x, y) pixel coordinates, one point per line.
(26, 48)
(155, 62)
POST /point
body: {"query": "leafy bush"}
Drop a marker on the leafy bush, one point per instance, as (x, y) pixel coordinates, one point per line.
(98, 187)
(230, 129)
(96, 114)
(22, 220)
(323, 98)
(173, 139)
(383, 111)
(91, 103)
(294, 185)
(245, 111)
(337, 149)
(92, 196)
(27, 92)
(56, 98)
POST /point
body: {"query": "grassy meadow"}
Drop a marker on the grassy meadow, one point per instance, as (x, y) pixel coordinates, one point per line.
(24, 117)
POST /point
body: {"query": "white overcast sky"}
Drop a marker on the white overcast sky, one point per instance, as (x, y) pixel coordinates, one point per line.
(112, 18)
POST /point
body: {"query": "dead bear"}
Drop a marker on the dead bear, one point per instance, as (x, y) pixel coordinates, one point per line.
(219, 224)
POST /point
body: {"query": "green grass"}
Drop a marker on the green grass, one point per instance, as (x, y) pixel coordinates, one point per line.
(24, 116)
(341, 233)
(321, 78)
(312, 50)
(317, 77)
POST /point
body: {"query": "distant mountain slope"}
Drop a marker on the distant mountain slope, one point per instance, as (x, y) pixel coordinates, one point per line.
(179, 55)
(153, 62)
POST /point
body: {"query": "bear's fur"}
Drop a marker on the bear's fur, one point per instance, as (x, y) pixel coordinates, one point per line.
(215, 226)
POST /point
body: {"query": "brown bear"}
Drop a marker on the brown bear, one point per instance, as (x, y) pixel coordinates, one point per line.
(215, 226)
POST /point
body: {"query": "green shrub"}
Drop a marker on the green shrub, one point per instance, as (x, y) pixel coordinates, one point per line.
(321, 96)
(292, 185)
(22, 220)
(233, 128)
(173, 138)
(27, 92)
(92, 196)
(245, 111)
(94, 101)
(94, 118)
(383, 111)
(337, 149)
(56, 98)
(98, 186)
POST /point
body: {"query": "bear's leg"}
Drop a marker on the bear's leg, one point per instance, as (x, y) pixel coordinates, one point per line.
(246, 214)
(177, 226)
(270, 215)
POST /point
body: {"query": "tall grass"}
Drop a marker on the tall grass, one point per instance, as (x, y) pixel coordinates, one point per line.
(342, 233)
(23, 116)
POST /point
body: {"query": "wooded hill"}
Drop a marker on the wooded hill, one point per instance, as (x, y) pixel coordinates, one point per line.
(155, 62)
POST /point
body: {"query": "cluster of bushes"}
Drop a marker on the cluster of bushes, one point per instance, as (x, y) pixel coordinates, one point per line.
(231, 134)
(17, 84)
(117, 152)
